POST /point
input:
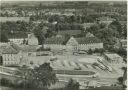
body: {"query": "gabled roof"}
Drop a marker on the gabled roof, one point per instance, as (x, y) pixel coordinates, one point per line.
(55, 40)
(88, 40)
(7, 49)
(89, 35)
(70, 32)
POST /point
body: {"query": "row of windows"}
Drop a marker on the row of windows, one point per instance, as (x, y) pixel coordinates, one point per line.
(10, 63)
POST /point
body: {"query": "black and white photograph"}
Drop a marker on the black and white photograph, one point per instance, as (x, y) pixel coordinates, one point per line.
(63, 45)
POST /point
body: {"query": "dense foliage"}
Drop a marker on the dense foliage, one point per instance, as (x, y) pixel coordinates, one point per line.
(39, 77)
(72, 85)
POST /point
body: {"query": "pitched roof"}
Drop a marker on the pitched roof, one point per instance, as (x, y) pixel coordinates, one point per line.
(113, 55)
(70, 32)
(55, 40)
(15, 46)
(89, 35)
(88, 40)
(7, 49)
(29, 48)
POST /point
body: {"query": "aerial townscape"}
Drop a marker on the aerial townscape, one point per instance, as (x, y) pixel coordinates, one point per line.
(63, 45)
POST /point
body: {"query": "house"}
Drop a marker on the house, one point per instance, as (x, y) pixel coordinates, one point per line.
(9, 56)
(87, 25)
(123, 43)
(73, 44)
(84, 43)
(32, 40)
(89, 34)
(113, 58)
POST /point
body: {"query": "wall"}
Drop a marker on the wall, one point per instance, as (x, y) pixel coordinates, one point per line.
(70, 47)
(10, 59)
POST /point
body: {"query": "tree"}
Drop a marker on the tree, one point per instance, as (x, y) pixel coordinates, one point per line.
(72, 19)
(124, 68)
(123, 79)
(115, 25)
(90, 51)
(124, 31)
(72, 85)
(1, 60)
(39, 32)
(39, 77)
(25, 73)
(43, 76)
(120, 80)
(5, 82)
(3, 37)
(122, 52)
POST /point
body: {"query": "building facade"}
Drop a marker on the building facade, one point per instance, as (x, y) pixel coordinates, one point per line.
(18, 40)
(9, 56)
(73, 44)
(113, 58)
(32, 40)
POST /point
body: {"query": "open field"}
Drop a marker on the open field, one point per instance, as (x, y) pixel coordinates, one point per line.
(72, 62)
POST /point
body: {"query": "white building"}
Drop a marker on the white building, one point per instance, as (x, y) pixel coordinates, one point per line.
(84, 43)
(32, 40)
(9, 55)
(113, 58)
(17, 40)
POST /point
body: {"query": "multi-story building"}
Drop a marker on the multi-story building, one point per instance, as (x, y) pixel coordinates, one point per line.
(82, 43)
(9, 56)
(123, 43)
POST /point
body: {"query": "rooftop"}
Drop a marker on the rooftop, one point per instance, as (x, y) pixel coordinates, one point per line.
(7, 49)
(29, 48)
(88, 40)
(113, 55)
